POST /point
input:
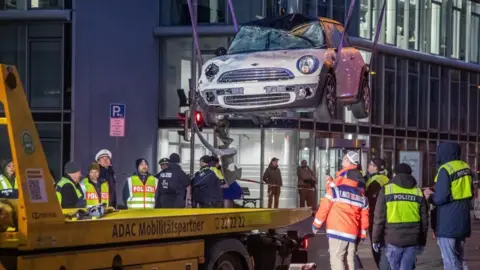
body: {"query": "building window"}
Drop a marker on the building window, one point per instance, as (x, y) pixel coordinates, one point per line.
(463, 103)
(475, 33)
(176, 12)
(390, 24)
(389, 114)
(44, 4)
(50, 136)
(436, 17)
(400, 26)
(323, 8)
(366, 19)
(249, 10)
(12, 46)
(45, 78)
(473, 108)
(401, 93)
(456, 31)
(454, 100)
(309, 8)
(423, 96)
(434, 102)
(339, 10)
(412, 104)
(413, 24)
(444, 99)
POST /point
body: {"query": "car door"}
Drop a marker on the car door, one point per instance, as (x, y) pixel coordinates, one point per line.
(341, 60)
(354, 60)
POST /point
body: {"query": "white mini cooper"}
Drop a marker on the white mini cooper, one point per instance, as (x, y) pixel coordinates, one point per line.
(289, 63)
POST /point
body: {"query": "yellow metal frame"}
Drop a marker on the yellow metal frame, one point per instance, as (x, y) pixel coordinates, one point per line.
(42, 224)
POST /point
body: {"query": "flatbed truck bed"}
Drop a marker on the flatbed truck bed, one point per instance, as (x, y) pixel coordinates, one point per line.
(41, 235)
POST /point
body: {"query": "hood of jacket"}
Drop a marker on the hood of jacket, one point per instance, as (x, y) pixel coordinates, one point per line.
(448, 151)
(404, 180)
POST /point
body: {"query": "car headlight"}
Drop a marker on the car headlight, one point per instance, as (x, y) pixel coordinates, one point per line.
(211, 71)
(307, 64)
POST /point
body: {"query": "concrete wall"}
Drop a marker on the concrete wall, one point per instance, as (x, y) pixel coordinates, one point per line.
(115, 59)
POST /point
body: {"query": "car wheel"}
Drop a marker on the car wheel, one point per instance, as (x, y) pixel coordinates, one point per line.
(361, 109)
(228, 262)
(328, 106)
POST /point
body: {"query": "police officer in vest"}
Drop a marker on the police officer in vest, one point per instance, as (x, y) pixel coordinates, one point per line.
(94, 187)
(69, 191)
(453, 193)
(172, 185)
(140, 188)
(8, 181)
(377, 178)
(206, 186)
(401, 219)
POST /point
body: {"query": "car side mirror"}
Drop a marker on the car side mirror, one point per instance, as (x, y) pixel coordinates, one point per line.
(220, 51)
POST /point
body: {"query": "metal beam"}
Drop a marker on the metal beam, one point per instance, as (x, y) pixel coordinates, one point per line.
(36, 15)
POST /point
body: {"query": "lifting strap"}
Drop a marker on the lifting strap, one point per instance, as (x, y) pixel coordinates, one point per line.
(377, 34)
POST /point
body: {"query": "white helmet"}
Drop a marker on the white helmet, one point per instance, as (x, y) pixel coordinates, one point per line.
(103, 153)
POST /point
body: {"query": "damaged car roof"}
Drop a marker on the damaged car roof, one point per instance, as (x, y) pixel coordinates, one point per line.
(286, 22)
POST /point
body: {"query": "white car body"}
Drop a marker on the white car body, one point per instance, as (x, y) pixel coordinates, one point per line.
(269, 81)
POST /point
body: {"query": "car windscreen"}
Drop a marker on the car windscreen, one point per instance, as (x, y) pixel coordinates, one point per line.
(256, 38)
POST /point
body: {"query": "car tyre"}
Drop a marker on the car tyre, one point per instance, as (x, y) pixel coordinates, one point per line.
(328, 106)
(361, 109)
(228, 262)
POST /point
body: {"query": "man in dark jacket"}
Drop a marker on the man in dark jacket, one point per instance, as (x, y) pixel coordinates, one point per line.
(172, 185)
(453, 193)
(401, 219)
(69, 191)
(377, 178)
(273, 178)
(104, 159)
(206, 186)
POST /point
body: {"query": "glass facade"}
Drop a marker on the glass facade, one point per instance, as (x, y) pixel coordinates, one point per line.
(38, 50)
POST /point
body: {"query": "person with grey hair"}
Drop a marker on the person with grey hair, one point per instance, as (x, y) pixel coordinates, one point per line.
(69, 191)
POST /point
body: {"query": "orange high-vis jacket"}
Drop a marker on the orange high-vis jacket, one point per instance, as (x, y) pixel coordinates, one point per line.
(344, 208)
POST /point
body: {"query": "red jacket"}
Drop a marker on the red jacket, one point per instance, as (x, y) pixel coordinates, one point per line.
(344, 208)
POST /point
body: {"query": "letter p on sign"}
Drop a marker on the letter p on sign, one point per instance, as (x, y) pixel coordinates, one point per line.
(117, 120)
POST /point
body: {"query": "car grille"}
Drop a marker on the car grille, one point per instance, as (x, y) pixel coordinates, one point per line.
(256, 74)
(252, 100)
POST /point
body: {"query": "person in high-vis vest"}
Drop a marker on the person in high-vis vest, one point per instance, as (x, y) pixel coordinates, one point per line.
(452, 197)
(94, 187)
(207, 186)
(69, 191)
(344, 209)
(401, 219)
(376, 180)
(8, 181)
(140, 188)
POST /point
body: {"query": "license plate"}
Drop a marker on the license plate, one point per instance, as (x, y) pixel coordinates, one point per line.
(302, 266)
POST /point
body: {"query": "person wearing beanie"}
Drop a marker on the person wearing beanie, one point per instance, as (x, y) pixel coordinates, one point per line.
(104, 159)
(173, 183)
(401, 219)
(139, 189)
(344, 209)
(376, 180)
(8, 181)
(69, 191)
(206, 186)
(95, 188)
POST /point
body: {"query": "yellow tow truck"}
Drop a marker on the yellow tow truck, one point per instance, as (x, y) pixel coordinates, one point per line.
(36, 234)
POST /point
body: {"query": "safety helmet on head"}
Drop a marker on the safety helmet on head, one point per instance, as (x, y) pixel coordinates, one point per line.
(103, 153)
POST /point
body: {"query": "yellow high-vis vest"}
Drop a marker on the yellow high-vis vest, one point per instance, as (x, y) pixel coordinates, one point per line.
(65, 181)
(142, 196)
(461, 177)
(403, 204)
(91, 195)
(381, 179)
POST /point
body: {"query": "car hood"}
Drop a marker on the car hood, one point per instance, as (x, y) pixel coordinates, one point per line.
(283, 58)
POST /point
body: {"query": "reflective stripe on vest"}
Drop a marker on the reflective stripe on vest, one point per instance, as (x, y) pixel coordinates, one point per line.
(91, 195)
(141, 196)
(403, 204)
(65, 181)
(5, 184)
(381, 179)
(461, 179)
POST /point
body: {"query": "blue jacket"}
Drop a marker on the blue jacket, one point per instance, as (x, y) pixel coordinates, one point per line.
(452, 217)
(233, 192)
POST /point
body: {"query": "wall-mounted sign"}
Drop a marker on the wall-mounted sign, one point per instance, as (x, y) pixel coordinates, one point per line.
(414, 159)
(117, 120)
